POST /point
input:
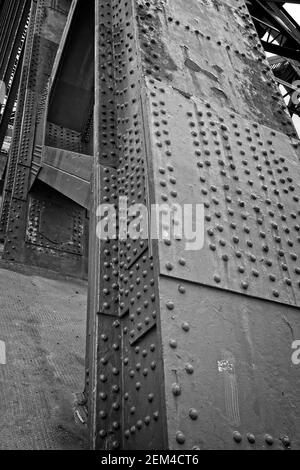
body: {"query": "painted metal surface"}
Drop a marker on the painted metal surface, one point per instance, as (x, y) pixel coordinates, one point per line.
(34, 137)
(199, 341)
(247, 177)
(230, 382)
(68, 173)
(185, 349)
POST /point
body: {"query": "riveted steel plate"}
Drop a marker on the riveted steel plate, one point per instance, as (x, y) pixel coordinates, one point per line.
(45, 229)
(66, 139)
(229, 377)
(16, 226)
(133, 168)
(142, 396)
(39, 54)
(192, 49)
(28, 129)
(138, 297)
(21, 183)
(245, 175)
(109, 249)
(109, 400)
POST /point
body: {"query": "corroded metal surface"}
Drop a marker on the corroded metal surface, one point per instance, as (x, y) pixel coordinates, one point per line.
(185, 349)
(33, 135)
(188, 340)
(247, 177)
(228, 369)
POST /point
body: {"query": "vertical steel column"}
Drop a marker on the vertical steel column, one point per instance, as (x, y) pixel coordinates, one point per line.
(44, 33)
(185, 343)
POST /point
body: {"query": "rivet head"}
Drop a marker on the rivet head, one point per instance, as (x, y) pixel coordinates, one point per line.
(251, 438)
(169, 267)
(269, 439)
(180, 438)
(189, 369)
(193, 414)
(170, 306)
(237, 437)
(176, 390)
(150, 397)
(181, 290)
(286, 441)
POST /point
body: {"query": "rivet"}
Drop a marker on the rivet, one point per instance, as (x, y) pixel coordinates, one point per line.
(269, 439)
(180, 438)
(170, 305)
(237, 437)
(286, 441)
(189, 369)
(182, 289)
(193, 414)
(176, 390)
(251, 438)
(150, 397)
(186, 327)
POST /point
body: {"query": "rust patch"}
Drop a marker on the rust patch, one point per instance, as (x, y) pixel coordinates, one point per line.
(220, 93)
(218, 69)
(183, 93)
(272, 117)
(190, 64)
(155, 55)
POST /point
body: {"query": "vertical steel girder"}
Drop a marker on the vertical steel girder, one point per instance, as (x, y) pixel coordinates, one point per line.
(185, 349)
(13, 19)
(192, 349)
(44, 212)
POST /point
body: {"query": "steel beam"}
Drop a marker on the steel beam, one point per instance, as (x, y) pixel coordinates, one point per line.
(180, 342)
(44, 149)
(161, 103)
